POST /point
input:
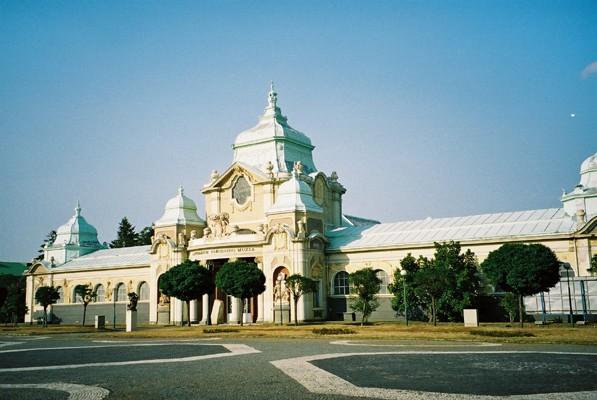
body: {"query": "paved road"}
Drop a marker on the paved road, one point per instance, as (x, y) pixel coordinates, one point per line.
(70, 367)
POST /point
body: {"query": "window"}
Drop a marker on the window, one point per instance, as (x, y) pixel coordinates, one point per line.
(77, 297)
(383, 277)
(61, 294)
(241, 190)
(100, 294)
(143, 291)
(341, 283)
(120, 292)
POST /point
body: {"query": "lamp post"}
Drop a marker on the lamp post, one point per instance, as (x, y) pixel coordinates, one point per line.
(567, 267)
(403, 273)
(280, 279)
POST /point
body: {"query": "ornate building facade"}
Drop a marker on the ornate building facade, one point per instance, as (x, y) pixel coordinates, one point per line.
(274, 207)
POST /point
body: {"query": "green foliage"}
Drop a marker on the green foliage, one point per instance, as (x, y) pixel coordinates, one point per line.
(87, 295)
(126, 236)
(510, 303)
(12, 307)
(523, 269)
(298, 286)
(439, 288)
(144, 236)
(187, 281)
(241, 279)
(414, 305)
(593, 268)
(365, 287)
(50, 237)
(45, 296)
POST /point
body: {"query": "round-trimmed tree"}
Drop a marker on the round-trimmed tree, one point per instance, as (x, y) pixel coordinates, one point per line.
(45, 296)
(241, 279)
(522, 269)
(187, 281)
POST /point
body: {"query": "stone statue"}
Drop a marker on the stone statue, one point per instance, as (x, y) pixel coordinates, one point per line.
(164, 299)
(218, 224)
(215, 175)
(181, 239)
(269, 169)
(298, 167)
(133, 299)
(193, 234)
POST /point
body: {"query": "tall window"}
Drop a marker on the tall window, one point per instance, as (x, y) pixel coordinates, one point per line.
(143, 291)
(120, 292)
(383, 277)
(100, 294)
(61, 294)
(341, 283)
(76, 296)
(241, 190)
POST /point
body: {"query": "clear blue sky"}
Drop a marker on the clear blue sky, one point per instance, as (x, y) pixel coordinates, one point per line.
(423, 108)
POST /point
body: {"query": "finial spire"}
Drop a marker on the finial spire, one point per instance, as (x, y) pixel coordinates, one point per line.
(78, 209)
(180, 190)
(272, 96)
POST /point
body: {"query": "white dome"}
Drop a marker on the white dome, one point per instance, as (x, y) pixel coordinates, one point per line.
(589, 164)
(180, 210)
(273, 141)
(76, 231)
(294, 195)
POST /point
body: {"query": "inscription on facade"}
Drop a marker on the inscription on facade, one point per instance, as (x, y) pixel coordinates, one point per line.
(235, 250)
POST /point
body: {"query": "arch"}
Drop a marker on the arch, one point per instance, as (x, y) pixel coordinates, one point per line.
(76, 298)
(120, 292)
(143, 291)
(340, 283)
(60, 291)
(100, 293)
(383, 277)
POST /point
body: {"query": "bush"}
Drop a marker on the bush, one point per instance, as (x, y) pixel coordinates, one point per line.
(333, 331)
(501, 333)
(220, 330)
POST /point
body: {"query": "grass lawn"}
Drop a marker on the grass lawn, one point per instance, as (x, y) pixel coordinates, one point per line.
(499, 332)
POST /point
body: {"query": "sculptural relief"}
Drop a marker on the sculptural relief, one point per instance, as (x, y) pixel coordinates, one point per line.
(218, 226)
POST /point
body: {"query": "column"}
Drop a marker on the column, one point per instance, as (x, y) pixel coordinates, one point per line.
(193, 305)
(29, 300)
(236, 311)
(204, 309)
(260, 307)
(178, 312)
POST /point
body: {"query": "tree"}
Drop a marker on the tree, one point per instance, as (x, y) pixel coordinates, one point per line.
(510, 304)
(414, 306)
(241, 279)
(366, 285)
(523, 269)
(593, 269)
(144, 236)
(87, 295)
(126, 236)
(299, 285)
(187, 281)
(45, 296)
(12, 307)
(430, 283)
(50, 237)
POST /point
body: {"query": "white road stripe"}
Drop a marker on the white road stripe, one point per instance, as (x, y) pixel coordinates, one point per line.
(234, 350)
(443, 344)
(317, 380)
(75, 392)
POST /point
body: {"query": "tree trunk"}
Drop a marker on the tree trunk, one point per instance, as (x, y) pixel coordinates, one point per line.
(188, 312)
(242, 310)
(208, 316)
(520, 316)
(45, 325)
(433, 311)
(84, 313)
(295, 310)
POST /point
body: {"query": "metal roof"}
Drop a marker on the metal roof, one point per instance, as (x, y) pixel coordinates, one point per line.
(120, 257)
(475, 227)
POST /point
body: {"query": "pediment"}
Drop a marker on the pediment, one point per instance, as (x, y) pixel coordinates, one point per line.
(38, 267)
(237, 169)
(590, 227)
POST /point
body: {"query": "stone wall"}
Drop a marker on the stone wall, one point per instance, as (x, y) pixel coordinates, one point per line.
(73, 313)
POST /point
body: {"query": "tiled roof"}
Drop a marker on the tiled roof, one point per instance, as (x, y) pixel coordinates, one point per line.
(475, 227)
(121, 257)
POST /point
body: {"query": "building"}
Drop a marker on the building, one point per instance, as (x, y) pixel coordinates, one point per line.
(273, 206)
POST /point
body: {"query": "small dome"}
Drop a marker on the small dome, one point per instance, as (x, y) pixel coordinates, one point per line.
(76, 231)
(294, 195)
(589, 164)
(180, 210)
